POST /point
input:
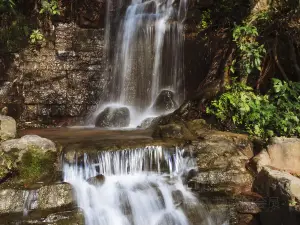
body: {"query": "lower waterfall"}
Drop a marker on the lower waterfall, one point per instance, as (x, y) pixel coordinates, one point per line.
(140, 186)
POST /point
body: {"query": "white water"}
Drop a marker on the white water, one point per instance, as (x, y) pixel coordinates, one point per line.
(140, 188)
(144, 54)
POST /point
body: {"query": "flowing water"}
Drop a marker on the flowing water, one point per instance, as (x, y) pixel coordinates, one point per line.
(144, 49)
(141, 187)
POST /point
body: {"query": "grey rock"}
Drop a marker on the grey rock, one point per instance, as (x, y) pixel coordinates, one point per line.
(164, 102)
(97, 180)
(56, 196)
(113, 117)
(12, 201)
(8, 127)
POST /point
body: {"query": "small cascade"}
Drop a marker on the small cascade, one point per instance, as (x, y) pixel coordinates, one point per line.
(138, 186)
(144, 54)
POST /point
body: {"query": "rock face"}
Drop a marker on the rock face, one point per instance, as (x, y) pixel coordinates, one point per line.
(7, 128)
(274, 183)
(164, 102)
(113, 117)
(221, 164)
(55, 196)
(32, 156)
(282, 153)
(63, 81)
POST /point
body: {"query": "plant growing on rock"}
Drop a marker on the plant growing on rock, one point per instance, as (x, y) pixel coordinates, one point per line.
(276, 113)
(36, 37)
(50, 7)
(36, 164)
(251, 52)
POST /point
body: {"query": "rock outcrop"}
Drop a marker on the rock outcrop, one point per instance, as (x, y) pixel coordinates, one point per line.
(221, 161)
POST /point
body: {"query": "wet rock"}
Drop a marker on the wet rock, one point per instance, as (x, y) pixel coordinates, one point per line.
(113, 117)
(146, 122)
(221, 164)
(97, 180)
(56, 196)
(8, 128)
(274, 183)
(164, 102)
(178, 197)
(32, 156)
(12, 201)
(283, 154)
(75, 217)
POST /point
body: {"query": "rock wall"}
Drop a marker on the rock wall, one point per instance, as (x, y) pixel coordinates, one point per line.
(62, 80)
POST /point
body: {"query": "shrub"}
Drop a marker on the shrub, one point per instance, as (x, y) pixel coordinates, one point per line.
(276, 113)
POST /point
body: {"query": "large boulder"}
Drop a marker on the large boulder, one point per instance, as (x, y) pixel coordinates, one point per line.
(279, 184)
(221, 160)
(113, 117)
(8, 128)
(32, 156)
(283, 154)
(164, 102)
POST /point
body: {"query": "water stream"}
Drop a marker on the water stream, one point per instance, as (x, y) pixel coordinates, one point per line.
(140, 186)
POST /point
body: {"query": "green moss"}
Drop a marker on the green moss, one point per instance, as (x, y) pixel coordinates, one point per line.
(36, 165)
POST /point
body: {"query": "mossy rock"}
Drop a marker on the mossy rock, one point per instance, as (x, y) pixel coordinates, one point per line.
(32, 157)
(36, 165)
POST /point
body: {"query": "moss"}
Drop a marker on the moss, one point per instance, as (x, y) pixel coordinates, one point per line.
(36, 165)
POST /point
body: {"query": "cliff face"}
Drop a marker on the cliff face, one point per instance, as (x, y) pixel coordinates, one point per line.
(62, 80)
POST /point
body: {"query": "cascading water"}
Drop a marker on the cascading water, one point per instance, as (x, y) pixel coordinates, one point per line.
(140, 186)
(144, 50)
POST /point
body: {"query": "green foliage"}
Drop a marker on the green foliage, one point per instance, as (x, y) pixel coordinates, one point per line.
(276, 113)
(7, 5)
(50, 7)
(251, 52)
(14, 34)
(36, 37)
(35, 165)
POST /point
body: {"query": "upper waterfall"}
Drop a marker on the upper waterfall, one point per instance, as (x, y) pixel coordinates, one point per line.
(144, 50)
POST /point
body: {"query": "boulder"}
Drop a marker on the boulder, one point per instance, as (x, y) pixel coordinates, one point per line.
(8, 128)
(97, 180)
(32, 156)
(12, 201)
(221, 164)
(279, 184)
(283, 154)
(113, 117)
(164, 102)
(55, 196)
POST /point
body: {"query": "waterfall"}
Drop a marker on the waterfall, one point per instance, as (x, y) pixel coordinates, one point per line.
(144, 53)
(139, 186)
